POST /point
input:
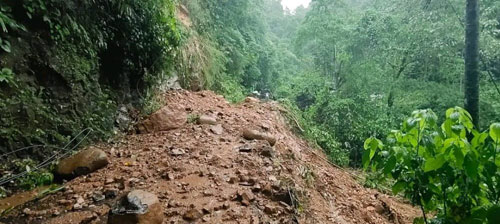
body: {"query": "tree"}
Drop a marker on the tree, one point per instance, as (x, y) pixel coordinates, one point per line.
(472, 60)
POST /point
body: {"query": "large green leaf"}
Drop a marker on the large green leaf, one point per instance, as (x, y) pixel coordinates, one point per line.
(398, 187)
(434, 163)
(389, 166)
(495, 132)
(471, 166)
(459, 156)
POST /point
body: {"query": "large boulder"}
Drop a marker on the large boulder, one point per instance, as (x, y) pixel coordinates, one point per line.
(84, 162)
(137, 207)
(163, 120)
(252, 134)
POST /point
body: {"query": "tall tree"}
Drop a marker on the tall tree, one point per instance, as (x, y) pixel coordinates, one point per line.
(472, 60)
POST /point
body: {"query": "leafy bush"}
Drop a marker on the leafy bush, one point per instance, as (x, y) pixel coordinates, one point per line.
(451, 168)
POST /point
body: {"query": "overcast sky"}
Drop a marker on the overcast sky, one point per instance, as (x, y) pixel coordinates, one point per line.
(293, 4)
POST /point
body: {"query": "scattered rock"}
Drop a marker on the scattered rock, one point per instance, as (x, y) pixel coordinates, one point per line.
(245, 197)
(251, 100)
(251, 134)
(163, 120)
(84, 162)
(217, 129)
(268, 209)
(139, 207)
(122, 119)
(267, 152)
(192, 215)
(98, 196)
(110, 193)
(177, 152)
(267, 189)
(245, 148)
(205, 119)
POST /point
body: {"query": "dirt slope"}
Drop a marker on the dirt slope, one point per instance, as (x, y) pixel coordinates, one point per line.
(193, 167)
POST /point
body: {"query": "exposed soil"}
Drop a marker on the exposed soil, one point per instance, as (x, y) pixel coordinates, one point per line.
(222, 175)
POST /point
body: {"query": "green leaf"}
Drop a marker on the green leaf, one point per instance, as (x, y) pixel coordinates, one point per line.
(389, 166)
(471, 166)
(366, 159)
(434, 163)
(459, 156)
(398, 187)
(495, 132)
(494, 215)
(5, 46)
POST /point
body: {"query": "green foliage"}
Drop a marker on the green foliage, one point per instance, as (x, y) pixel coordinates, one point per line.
(451, 168)
(89, 57)
(7, 23)
(6, 76)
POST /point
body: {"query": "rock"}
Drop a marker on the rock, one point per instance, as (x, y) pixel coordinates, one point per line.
(233, 180)
(251, 134)
(123, 120)
(163, 120)
(267, 152)
(98, 196)
(139, 207)
(79, 200)
(205, 119)
(177, 152)
(267, 189)
(64, 202)
(269, 210)
(110, 193)
(192, 215)
(77, 206)
(245, 148)
(245, 197)
(217, 129)
(84, 162)
(251, 100)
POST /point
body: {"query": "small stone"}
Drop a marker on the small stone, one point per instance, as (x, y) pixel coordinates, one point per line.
(177, 152)
(267, 152)
(205, 119)
(233, 180)
(269, 210)
(98, 196)
(110, 193)
(27, 211)
(217, 129)
(77, 206)
(245, 148)
(192, 215)
(138, 205)
(79, 200)
(64, 202)
(251, 134)
(245, 198)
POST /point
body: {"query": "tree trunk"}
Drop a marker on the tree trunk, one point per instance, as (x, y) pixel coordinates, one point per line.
(472, 60)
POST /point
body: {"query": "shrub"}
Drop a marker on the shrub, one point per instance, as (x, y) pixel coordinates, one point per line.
(449, 168)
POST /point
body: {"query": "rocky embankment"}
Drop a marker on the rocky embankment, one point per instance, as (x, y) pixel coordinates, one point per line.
(201, 160)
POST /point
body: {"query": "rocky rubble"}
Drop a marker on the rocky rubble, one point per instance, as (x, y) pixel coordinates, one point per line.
(198, 173)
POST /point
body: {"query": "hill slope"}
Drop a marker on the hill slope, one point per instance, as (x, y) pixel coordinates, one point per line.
(209, 169)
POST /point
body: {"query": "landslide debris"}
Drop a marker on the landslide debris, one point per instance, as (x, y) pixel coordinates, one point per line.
(212, 172)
